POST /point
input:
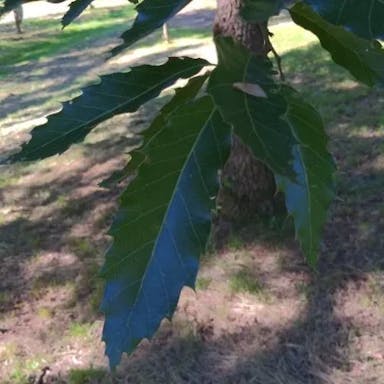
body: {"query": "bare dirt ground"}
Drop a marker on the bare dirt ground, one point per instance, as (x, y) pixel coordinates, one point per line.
(259, 314)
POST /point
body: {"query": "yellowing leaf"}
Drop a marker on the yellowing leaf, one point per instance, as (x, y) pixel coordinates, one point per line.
(250, 89)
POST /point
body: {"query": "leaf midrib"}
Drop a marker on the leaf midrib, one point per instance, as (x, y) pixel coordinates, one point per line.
(337, 41)
(109, 112)
(162, 226)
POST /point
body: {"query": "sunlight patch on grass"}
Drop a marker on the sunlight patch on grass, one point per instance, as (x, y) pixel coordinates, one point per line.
(202, 283)
(21, 373)
(44, 38)
(289, 36)
(80, 330)
(183, 40)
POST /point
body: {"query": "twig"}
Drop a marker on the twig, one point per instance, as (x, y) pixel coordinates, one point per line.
(43, 373)
(269, 47)
(278, 62)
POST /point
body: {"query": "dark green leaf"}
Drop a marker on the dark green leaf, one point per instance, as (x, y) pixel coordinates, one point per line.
(116, 93)
(152, 14)
(309, 195)
(363, 17)
(257, 11)
(282, 130)
(182, 95)
(256, 120)
(364, 59)
(76, 8)
(162, 225)
(9, 5)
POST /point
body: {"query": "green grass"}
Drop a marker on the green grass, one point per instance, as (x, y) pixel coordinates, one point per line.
(44, 42)
(44, 313)
(5, 298)
(79, 330)
(244, 282)
(235, 243)
(82, 247)
(202, 283)
(45, 38)
(21, 374)
(189, 36)
(87, 376)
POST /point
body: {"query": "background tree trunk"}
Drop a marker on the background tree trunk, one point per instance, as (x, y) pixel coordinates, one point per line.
(166, 33)
(248, 185)
(18, 14)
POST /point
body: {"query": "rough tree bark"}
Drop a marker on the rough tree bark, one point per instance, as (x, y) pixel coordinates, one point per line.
(248, 185)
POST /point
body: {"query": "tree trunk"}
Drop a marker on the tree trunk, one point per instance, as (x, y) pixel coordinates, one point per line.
(166, 33)
(18, 14)
(248, 185)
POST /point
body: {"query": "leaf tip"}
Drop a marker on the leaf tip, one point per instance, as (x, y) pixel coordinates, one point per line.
(251, 89)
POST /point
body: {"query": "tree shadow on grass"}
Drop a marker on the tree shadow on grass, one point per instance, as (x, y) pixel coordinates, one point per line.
(53, 229)
(50, 79)
(311, 349)
(315, 346)
(58, 79)
(55, 211)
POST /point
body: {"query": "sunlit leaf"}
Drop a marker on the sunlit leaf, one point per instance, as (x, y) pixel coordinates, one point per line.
(309, 195)
(116, 93)
(182, 95)
(363, 58)
(283, 131)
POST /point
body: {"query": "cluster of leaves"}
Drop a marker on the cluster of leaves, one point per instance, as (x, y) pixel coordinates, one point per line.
(164, 219)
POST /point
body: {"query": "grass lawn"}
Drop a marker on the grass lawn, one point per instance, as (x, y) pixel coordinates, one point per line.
(259, 314)
(46, 38)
